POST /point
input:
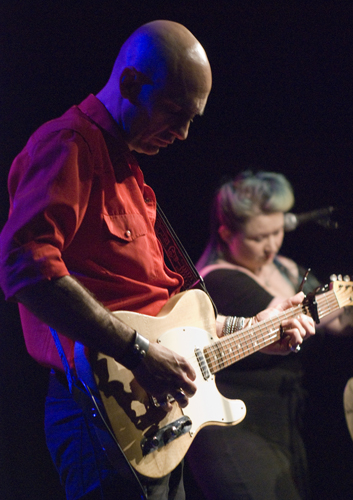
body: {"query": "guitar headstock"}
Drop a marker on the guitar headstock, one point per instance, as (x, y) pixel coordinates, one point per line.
(343, 289)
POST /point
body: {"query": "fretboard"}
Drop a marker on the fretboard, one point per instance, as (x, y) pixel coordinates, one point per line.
(227, 350)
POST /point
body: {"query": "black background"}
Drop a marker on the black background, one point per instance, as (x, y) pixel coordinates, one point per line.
(281, 101)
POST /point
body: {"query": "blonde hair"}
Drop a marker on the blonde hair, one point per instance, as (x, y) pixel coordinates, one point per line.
(236, 201)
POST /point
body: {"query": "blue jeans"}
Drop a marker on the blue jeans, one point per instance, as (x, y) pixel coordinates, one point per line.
(84, 469)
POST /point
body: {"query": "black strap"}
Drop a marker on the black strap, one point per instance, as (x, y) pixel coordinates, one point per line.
(178, 256)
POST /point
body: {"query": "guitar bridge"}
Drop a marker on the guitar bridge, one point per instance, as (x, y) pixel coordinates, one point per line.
(165, 435)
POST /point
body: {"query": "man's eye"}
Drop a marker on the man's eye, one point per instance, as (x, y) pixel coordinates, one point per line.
(173, 109)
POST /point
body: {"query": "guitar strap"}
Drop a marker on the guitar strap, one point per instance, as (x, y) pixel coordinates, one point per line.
(178, 256)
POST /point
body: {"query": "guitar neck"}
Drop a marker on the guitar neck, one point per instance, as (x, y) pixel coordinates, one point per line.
(227, 350)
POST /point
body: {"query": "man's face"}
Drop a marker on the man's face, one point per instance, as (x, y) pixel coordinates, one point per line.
(161, 114)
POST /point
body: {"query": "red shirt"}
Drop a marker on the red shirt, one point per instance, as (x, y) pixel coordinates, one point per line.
(79, 206)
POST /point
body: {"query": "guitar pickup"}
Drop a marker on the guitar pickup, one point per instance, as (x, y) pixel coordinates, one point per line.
(202, 363)
(165, 435)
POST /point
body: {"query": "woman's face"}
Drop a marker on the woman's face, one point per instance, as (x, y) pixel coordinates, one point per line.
(258, 243)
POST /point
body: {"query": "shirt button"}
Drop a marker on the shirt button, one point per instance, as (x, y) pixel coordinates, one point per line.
(128, 233)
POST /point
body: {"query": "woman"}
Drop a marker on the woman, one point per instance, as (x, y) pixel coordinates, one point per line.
(263, 457)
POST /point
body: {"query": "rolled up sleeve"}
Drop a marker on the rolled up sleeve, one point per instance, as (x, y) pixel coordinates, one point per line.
(49, 185)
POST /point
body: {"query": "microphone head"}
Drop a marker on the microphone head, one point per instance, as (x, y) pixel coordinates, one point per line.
(290, 222)
(322, 216)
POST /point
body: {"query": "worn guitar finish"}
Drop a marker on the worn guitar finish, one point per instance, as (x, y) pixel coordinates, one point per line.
(155, 442)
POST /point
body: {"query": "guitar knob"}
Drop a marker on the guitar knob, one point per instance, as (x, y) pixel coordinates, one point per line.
(346, 278)
(170, 433)
(150, 445)
(333, 277)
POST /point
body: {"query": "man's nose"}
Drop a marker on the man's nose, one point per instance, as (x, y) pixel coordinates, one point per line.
(181, 129)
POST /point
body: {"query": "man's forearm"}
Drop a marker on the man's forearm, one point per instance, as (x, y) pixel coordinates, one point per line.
(68, 307)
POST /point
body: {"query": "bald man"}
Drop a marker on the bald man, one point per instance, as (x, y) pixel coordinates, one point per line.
(82, 219)
(80, 243)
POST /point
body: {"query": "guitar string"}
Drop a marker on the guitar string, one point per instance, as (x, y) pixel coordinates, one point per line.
(267, 338)
(228, 350)
(327, 303)
(218, 357)
(248, 336)
(247, 344)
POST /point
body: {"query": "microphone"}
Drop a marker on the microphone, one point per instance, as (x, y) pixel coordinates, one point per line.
(321, 216)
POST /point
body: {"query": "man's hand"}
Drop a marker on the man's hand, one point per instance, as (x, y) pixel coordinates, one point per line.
(164, 373)
(69, 308)
(295, 330)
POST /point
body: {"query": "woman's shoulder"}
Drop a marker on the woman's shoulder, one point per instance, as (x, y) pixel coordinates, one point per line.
(289, 264)
(286, 261)
(223, 265)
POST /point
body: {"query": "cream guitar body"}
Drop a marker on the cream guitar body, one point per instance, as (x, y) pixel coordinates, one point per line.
(155, 442)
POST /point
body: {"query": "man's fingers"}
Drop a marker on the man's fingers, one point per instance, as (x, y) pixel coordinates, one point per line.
(165, 402)
(181, 398)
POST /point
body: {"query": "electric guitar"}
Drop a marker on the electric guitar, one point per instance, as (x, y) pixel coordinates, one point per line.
(154, 442)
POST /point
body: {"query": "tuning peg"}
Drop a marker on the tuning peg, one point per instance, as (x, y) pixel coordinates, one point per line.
(335, 277)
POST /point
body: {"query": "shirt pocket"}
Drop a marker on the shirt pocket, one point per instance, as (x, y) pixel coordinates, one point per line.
(126, 227)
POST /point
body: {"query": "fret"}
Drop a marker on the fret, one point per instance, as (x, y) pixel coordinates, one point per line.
(272, 323)
(252, 340)
(326, 300)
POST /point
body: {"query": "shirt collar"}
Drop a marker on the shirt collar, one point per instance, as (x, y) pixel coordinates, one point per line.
(97, 112)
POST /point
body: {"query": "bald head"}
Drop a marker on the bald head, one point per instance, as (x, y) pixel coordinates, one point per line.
(165, 48)
(161, 69)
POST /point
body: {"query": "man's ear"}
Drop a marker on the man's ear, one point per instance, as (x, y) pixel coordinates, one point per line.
(224, 233)
(131, 82)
